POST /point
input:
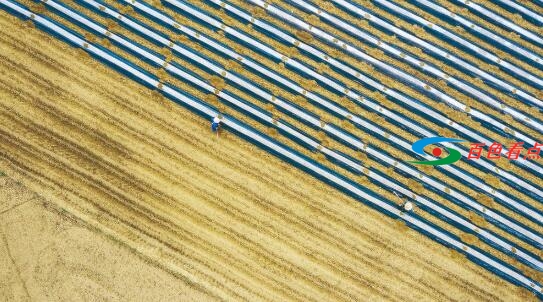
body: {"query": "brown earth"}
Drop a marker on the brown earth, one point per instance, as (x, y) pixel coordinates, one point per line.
(47, 255)
(136, 200)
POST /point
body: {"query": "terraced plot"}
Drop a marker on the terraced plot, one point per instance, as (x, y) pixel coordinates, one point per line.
(337, 96)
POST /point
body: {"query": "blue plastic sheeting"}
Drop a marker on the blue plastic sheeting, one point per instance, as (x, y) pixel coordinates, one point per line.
(491, 16)
(476, 50)
(426, 107)
(392, 71)
(430, 116)
(505, 44)
(527, 14)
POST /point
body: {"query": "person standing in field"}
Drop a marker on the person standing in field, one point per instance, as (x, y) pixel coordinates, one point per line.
(406, 205)
(216, 125)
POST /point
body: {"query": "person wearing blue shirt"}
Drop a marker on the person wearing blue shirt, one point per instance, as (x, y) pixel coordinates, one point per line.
(215, 125)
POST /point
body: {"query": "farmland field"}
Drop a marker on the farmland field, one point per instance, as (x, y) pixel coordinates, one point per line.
(129, 196)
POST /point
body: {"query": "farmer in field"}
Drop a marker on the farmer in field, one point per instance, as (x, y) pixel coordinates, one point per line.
(407, 206)
(216, 125)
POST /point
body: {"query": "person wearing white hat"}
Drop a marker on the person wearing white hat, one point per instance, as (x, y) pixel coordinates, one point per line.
(215, 125)
(408, 206)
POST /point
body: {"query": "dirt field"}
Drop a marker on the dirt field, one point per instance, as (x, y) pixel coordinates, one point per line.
(136, 200)
(48, 256)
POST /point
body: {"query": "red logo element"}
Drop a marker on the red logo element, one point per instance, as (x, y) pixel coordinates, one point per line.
(514, 150)
(494, 151)
(533, 152)
(475, 150)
